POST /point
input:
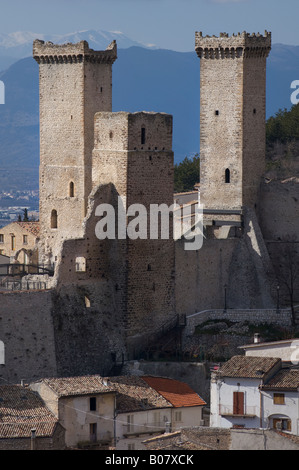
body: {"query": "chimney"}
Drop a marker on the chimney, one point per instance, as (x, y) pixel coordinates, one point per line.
(33, 437)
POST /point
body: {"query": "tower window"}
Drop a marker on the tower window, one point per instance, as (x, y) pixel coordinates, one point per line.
(216, 112)
(142, 135)
(87, 301)
(54, 219)
(254, 111)
(72, 189)
(227, 175)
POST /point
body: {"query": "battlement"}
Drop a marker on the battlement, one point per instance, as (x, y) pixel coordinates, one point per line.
(47, 52)
(238, 45)
(139, 131)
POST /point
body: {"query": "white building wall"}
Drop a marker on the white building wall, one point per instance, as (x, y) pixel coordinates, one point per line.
(289, 410)
(133, 428)
(222, 403)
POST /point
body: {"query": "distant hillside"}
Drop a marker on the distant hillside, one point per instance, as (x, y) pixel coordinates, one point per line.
(143, 79)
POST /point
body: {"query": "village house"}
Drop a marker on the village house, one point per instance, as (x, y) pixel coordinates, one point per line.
(83, 405)
(18, 241)
(26, 423)
(256, 392)
(286, 349)
(150, 405)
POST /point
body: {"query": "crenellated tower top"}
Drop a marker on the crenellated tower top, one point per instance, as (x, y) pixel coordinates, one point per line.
(238, 45)
(47, 52)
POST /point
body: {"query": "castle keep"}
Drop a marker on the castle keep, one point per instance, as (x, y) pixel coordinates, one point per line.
(108, 297)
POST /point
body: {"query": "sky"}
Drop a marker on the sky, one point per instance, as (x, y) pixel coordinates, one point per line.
(168, 24)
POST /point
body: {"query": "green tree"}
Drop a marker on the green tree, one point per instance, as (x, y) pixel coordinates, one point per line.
(283, 126)
(25, 216)
(186, 174)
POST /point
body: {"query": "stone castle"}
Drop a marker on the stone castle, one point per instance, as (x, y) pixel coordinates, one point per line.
(107, 298)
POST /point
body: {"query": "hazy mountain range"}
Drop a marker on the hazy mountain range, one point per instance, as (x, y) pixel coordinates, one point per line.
(144, 78)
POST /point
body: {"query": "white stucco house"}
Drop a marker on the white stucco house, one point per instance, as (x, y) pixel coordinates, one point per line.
(147, 406)
(255, 392)
(286, 349)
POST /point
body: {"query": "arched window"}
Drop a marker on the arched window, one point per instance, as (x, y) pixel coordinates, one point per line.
(227, 175)
(54, 219)
(72, 189)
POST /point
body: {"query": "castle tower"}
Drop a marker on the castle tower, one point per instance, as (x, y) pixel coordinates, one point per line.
(232, 118)
(133, 153)
(75, 83)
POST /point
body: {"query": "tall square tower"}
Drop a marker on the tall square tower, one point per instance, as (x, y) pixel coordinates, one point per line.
(133, 153)
(75, 82)
(232, 118)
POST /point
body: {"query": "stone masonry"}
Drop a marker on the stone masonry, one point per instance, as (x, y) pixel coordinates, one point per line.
(232, 118)
(75, 83)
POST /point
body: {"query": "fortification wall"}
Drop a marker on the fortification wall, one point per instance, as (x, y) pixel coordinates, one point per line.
(27, 330)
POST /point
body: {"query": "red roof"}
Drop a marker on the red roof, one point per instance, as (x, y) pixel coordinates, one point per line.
(178, 393)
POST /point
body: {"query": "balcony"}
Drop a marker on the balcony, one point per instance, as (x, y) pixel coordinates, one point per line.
(230, 412)
(130, 430)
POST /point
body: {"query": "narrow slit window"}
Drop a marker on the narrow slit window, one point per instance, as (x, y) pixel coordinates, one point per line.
(72, 189)
(142, 135)
(227, 175)
(87, 301)
(217, 112)
(54, 219)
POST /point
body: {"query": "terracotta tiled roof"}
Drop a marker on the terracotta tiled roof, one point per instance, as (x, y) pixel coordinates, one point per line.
(284, 379)
(22, 410)
(248, 366)
(31, 227)
(82, 385)
(178, 393)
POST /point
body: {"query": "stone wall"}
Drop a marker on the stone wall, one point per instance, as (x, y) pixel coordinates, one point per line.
(279, 221)
(27, 330)
(280, 317)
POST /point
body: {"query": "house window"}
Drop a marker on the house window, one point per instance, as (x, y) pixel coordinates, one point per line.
(130, 423)
(1, 238)
(142, 135)
(238, 403)
(54, 219)
(92, 403)
(72, 189)
(25, 239)
(13, 242)
(278, 399)
(227, 175)
(131, 446)
(93, 432)
(178, 416)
